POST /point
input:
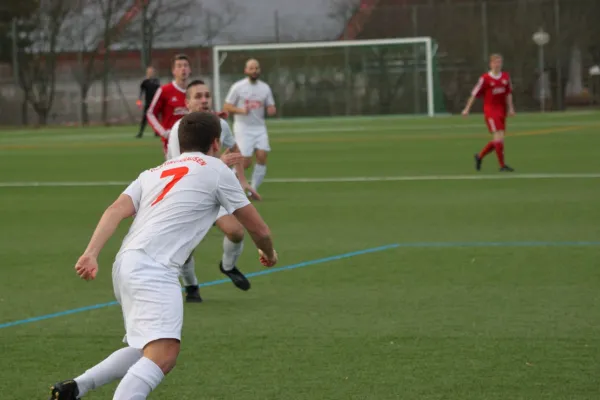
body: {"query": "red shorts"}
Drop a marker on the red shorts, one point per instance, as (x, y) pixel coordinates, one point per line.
(495, 123)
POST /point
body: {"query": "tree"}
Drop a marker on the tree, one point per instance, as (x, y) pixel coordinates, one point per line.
(161, 20)
(342, 11)
(37, 60)
(167, 21)
(95, 27)
(11, 11)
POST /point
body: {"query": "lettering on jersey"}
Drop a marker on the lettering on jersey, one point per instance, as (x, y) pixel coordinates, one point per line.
(180, 111)
(253, 104)
(498, 90)
(195, 159)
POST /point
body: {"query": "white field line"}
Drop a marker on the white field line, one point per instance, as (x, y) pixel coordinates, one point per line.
(442, 128)
(335, 180)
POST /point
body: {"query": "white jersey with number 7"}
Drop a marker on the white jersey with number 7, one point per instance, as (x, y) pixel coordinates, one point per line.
(177, 203)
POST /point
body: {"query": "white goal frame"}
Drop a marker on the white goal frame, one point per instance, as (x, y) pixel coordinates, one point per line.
(427, 41)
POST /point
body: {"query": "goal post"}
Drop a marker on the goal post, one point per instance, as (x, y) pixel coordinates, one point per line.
(350, 77)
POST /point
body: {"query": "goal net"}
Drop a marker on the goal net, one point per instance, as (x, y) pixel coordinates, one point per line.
(366, 77)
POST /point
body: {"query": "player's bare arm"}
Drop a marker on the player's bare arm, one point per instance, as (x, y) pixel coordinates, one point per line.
(232, 109)
(87, 265)
(259, 232)
(510, 104)
(469, 105)
(271, 111)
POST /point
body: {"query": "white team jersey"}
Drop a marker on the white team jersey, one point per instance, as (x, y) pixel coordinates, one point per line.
(177, 203)
(227, 139)
(255, 97)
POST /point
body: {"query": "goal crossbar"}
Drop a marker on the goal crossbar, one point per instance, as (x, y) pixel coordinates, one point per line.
(427, 41)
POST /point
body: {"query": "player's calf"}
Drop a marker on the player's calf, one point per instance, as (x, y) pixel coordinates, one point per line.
(144, 376)
(233, 245)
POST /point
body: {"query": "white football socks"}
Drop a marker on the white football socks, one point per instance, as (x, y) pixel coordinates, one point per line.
(141, 379)
(258, 174)
(231, 253)
(112, 368)
(188, 273)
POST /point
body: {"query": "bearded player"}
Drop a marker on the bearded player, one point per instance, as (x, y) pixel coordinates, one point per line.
(249, 100)
(198, 98)
(168, 105)
(496, 90)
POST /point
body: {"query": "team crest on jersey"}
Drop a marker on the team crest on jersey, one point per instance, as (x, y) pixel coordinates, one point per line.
(174, 98)
(493, 83)
(504, 81)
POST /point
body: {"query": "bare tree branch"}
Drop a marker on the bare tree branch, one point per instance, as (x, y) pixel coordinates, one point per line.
(37, 62)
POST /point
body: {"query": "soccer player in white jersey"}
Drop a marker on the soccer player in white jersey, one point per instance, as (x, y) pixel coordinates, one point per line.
(198, 98)
(248, 100)
(174, 204)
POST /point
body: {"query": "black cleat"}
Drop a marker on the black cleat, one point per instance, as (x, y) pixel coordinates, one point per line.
(138, 136)
(506, 168)
(192, 294)
(238, 279)
(65, 390)
(478, 161)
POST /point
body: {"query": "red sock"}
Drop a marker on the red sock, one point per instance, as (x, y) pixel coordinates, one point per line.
(500, 152)
(487, 150)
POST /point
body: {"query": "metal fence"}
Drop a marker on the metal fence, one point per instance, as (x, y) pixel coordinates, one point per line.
(466, 33)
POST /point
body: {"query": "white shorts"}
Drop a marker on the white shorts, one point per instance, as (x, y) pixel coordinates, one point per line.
(250, 140)
(150, 298)
(222, 212)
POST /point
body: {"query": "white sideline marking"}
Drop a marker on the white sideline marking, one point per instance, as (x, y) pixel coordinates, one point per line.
(335, 180)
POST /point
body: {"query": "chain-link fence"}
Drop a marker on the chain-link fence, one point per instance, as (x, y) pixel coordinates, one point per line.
(71, 64)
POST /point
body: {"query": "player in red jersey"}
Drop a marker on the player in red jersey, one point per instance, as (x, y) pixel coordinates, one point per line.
(168, 105)
(496, 89)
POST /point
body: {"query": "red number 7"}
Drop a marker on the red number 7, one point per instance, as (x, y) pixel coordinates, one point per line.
(177, 174)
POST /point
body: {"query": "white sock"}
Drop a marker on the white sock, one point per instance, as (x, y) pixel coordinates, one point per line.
(188, 273)
(258, 174)
(140, 380)
(110, 369)
(231, 252)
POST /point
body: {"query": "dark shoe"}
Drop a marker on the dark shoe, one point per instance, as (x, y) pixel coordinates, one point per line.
(192, 294)
(238, 279)
(478, 162)
(65, 390)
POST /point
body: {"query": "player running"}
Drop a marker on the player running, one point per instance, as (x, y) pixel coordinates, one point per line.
(496, 89)
(168, 105)
(198, 98)
(247, 100)
(175, 205)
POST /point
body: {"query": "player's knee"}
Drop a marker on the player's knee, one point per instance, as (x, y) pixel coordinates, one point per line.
(163, 353)
(261, 157)
(247, 162)
(235, 234)
(499, 136)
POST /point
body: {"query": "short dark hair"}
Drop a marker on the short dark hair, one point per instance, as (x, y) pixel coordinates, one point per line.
(193, 83)
(178, 57)
(197, 131)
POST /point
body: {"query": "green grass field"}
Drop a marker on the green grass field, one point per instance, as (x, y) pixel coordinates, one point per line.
(485, 288)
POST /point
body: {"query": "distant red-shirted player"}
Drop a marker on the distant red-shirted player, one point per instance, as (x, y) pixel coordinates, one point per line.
(496, 89)
(168, 105)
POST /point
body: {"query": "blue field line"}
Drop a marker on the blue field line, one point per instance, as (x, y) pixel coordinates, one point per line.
(325, 260)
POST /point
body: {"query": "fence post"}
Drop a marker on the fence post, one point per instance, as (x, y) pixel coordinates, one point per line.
(416, 60)
(484, 29)
(276, 24)
(559, 87)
